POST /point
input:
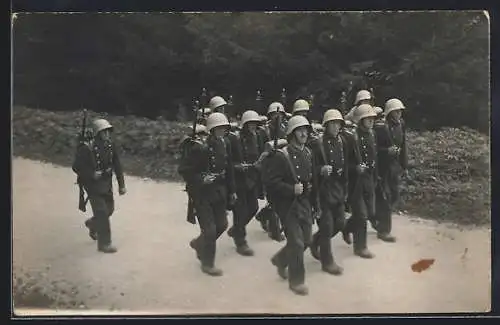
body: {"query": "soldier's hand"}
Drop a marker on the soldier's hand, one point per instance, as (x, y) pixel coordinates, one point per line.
(326, 170)
(97, 174)
(232, 198)
(298, 189)
(361, 169)
(208, 179)
(393, 150)
(122, 191)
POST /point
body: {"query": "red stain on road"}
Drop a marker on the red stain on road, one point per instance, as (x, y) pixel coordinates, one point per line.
(422, 265)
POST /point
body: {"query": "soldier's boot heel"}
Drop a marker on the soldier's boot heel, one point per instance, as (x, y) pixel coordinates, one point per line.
(299, 289)
(388, 238)
(282, 270)
(107, 249)
(364, 253)
(211, 270)
(244, 250)
(346, 235)
(92, 232)
(315, 247)
(192, 244)
(333, 269)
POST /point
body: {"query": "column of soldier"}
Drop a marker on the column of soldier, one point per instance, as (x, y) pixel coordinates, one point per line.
(306, 172)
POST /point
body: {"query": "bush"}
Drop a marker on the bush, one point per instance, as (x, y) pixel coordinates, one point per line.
(449, 169)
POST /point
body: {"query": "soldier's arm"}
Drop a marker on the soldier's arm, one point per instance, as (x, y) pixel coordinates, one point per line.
(318, 157)
(83, 164)
(382, 138)
(403, 158)
(189, 166)
(117, 166)
(275, 175)
(315, 183)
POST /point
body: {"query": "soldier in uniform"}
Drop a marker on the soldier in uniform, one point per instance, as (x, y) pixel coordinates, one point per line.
(95, 163)
(300, 107)
(330, 152)
(292, 186)
(217, 104)
(362, 179)
(273, 111)
(362, 97)
(209, 175)
(246, 151)
(392, 162)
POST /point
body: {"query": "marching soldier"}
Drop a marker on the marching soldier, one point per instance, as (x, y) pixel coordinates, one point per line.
(200, 136)
(217, 104)
(362, 97)
(300, 107)
(392, 161)
(95, 164)
(330, 152)
(292, 186)
(362, 179)
(209, 176)
(246, 152)
(273, 111)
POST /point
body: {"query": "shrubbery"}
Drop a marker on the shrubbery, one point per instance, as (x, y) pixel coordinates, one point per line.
(449, 174)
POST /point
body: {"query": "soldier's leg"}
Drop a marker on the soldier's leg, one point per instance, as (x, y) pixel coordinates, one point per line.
(360, 216)
(239, 212)
(296, 238)
(394, 182)
(384, 213)
(91, 225)
(280, 259)
(101, 215)
(205, 243)
(339, 219)
(321, 238)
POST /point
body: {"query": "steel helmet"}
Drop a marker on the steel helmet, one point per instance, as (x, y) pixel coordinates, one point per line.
(295, 122)
(362, 95)
(275, 107)
(263, 118)
(100, 125)
(364, 111)
(216, 101)
(199, 129)
(250, 116)
(393, 104)
(216, 119)
(332, 115)
(300, 105)
(378, 110)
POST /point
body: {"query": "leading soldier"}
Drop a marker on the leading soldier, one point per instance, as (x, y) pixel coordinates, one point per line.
(362, 179)
(95, 163)
(330, 152)
(393, 161)
(291, 184)
(246, 150)
(209, 175)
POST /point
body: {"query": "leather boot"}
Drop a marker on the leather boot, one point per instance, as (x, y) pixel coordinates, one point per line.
(92, 232)
(300, 289)
(315, 247)
(244, 250)
(107, 249)
(192, 244)
(364, 253)
(388, 238)
(211, 270)
(282, 271)
(333, 269)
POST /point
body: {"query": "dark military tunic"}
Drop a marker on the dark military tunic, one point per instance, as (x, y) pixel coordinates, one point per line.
(333, 151)
(210, 200)
(247, 148)
(294, 211)
(99, 156)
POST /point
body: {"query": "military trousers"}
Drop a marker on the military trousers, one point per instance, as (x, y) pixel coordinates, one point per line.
(245, 208)
(363, 209)
(298, 232)
(331, 222)
(387, 198)
(212, 218)
(103, 206)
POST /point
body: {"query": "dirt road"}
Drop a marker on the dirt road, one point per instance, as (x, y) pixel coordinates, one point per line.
(155, 270)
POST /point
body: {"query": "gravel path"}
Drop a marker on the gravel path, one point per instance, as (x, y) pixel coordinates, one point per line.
(155, 271)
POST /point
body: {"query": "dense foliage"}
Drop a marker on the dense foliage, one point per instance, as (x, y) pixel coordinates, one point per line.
(449, 169)
(154, 64)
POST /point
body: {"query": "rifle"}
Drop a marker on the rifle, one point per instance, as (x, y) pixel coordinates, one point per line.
(82, 201)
